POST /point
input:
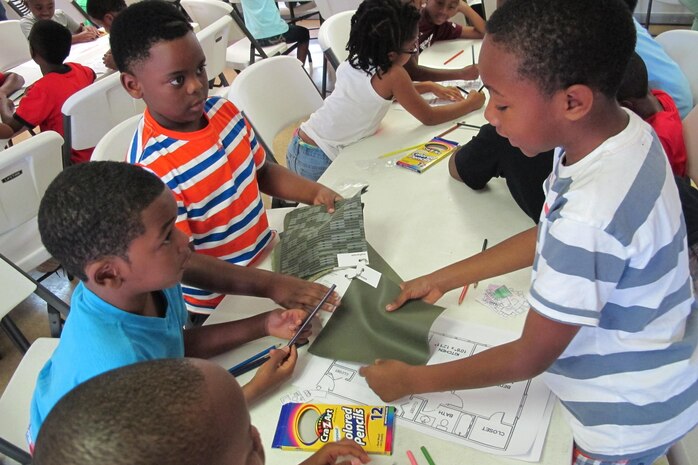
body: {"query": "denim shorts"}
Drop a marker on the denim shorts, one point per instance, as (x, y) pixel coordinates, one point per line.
(306, 159)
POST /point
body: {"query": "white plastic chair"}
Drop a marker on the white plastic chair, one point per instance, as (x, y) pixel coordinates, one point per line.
(329, 8)
(26, 169)
(690, 138)
(15, 48)
(16, 400)
(115, 144)
(681, 46)
(333, 37)
(91, 112)
(214, 42)
(269, 103)
(685, 452)
(243, 49)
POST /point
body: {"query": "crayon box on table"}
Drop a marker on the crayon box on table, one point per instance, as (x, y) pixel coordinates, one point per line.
(427, 155)
(310, 426)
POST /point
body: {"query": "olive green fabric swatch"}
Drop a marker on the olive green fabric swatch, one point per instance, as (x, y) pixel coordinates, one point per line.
(360, 330)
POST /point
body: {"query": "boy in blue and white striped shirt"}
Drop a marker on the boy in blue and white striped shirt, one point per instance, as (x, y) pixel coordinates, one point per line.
(613, 321)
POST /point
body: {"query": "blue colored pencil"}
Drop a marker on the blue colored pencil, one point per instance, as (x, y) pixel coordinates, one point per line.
(253, 358)
(250, 366)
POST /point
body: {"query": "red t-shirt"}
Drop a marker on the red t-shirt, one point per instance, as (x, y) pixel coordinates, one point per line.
(41, 105)
(430, 32)
(2, 78)
(667, 125)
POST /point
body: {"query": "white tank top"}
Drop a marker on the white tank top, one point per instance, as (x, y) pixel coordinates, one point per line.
(353, 111)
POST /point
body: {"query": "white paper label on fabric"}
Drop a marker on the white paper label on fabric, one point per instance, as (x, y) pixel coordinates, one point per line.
(368, 275)
(352, 259)
(342, 278)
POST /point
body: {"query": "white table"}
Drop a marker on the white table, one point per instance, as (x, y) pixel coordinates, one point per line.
(440, 52)
(418, 223)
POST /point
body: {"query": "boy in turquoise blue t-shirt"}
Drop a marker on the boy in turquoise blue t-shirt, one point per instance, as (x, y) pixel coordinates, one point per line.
(112, 225)
(264, 21)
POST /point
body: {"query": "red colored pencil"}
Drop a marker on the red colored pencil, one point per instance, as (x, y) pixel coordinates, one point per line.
(462, 294)
(453, 57)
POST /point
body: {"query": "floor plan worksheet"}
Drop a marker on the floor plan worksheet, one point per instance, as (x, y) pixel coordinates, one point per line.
(510, 419)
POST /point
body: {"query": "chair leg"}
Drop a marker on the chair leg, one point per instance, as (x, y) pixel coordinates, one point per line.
(324, 77)
(15, 453)
(15, 334)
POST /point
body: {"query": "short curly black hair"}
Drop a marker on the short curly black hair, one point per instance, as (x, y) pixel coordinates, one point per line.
(377, 28)
(134, 415)
(50, 40)
(97, 9)
(93, 210)
(564, 42)
(142, 25)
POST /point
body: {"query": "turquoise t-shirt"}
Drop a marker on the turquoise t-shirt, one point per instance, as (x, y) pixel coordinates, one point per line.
(263, 19)
(99, 337)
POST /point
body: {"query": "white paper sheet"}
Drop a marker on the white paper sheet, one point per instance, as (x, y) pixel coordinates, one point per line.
(510, 420)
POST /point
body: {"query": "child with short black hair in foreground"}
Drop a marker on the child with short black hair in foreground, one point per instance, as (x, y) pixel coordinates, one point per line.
(49, 45)
(175, 412)
(113, 226)
(612, 324)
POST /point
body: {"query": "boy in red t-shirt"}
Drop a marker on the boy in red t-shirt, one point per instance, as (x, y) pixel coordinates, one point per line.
(658, 109)
(49, 44)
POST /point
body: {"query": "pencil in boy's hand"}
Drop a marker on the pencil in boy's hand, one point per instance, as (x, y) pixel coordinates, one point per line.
(462, 89)
(484, 247)
(252, 359)
(481, 87)
(312, 314)
(463, 293)
(472, 52)
(250, 366)
(453, 57)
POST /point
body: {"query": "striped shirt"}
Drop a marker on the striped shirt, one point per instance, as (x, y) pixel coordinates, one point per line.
(212, 173)
(611, 257)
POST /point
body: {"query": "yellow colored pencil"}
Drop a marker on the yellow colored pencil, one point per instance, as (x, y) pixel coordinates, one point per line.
(395, 152)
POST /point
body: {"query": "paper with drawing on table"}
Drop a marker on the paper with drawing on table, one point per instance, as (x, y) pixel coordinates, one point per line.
(510, 420)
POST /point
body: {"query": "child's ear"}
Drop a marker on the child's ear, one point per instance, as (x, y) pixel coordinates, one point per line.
(105, 272)
(578, 101)
(131, 84)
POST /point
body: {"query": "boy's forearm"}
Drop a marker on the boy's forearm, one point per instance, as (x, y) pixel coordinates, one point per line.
(219, 276)
(424, 73)
(512, 254)
(208, 341)
(13, 82)
(280, 182)
(540, 344)
(473, 18)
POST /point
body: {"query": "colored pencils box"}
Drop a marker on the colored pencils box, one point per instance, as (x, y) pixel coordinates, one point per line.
(427, 155)
(309, 426)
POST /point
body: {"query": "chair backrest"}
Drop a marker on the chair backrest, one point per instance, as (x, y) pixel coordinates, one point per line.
(19, 7)
(690, 138)
(214, 42)
(16, 400)
(26, 170)
(91, 112)
(15, 48)
(329, 8)
(334, 35)
(681, 46)
(270, 103)
(207, 12)
(115, 144)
